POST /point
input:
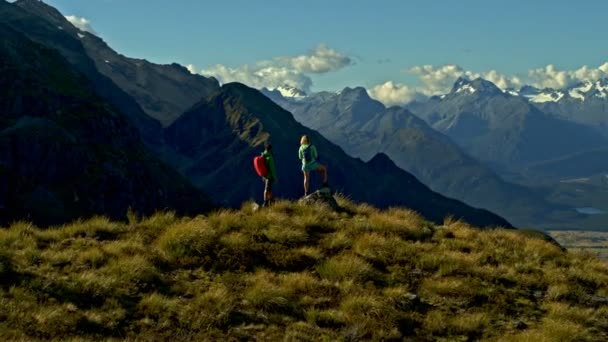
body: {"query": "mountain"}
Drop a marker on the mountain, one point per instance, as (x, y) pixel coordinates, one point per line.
(162, 91)
(363, 127)
(65, 153)
(214, 144)
(30, 18)
(211, 142)
(578, 165)
(585, 102)
(285, 91)
(503, 129)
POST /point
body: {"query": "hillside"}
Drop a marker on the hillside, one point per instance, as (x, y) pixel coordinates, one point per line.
(583, 164)
(294, 272)
(65, 153)
(363, 127)
(38, 22)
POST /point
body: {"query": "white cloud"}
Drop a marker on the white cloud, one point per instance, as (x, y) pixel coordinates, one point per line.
(290, 71)
(439, 80)
(393, 94)
(260, 77)
(192, 68)
(503, 81)
(436, 81)
(550, 77)
(321, 60)
(82, 24)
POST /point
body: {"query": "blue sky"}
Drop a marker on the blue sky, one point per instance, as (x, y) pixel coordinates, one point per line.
(369, 42)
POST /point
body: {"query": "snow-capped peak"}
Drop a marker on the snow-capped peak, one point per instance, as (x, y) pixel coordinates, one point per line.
(289, 91)
(581, 91)
(466, 88)
(541, 96)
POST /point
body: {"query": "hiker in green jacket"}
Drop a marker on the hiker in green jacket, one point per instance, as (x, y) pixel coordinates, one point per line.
(308, 156)
(271, 176)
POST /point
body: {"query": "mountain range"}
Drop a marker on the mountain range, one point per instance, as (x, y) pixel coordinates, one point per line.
(584, 102)
(363, 127)
(209, 134)
(504, 130)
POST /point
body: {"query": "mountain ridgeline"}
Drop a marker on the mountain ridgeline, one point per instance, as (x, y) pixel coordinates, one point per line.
(212, 143)
(364, 127)
(65, 153)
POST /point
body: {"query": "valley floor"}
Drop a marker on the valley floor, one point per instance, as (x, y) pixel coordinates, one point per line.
(583, 241)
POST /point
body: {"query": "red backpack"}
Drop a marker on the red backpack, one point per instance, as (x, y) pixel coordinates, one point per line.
(259, 163)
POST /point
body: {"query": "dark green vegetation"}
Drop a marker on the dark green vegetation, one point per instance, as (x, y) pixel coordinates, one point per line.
(65, 153)
(364, 127)
(296, 273)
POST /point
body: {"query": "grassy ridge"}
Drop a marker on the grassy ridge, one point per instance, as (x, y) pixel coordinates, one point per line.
(296, 273)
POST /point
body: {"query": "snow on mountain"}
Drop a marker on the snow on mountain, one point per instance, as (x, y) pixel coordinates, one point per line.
(291, 92)
(466, 88)
(546, 95)
(581, 91)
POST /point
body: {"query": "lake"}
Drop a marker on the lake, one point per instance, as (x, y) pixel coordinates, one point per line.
(589, 211)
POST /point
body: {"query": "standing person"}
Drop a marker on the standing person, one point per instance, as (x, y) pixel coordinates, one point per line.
(308, 155)
(271, 176)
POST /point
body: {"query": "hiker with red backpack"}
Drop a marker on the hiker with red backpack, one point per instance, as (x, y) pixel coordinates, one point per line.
(308, 155)
(264, 166)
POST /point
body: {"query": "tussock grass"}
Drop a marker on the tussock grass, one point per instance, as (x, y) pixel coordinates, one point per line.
(297, 273)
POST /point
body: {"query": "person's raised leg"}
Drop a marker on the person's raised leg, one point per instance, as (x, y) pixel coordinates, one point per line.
(323, 170)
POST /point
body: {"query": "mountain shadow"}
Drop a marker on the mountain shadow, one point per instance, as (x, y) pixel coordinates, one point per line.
(65, 153)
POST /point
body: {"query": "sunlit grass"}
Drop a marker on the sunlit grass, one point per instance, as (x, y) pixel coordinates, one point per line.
(295, 272)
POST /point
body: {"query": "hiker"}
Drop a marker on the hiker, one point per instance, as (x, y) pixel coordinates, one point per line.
(271, 175)
(308, 155)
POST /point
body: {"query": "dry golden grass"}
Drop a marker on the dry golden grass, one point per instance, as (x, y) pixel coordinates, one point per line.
(295, 273)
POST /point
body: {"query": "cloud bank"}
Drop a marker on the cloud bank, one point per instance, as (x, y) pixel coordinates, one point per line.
(438, 80)
(550, 77)
(321, 60)
(392, 94)
(80, 23)
(290, 70)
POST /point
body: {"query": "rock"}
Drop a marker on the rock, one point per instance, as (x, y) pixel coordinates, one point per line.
(321, 196)
(598, 300)
(520, 325)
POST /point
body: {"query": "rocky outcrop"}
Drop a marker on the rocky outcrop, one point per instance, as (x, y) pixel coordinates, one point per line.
(322, 196)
